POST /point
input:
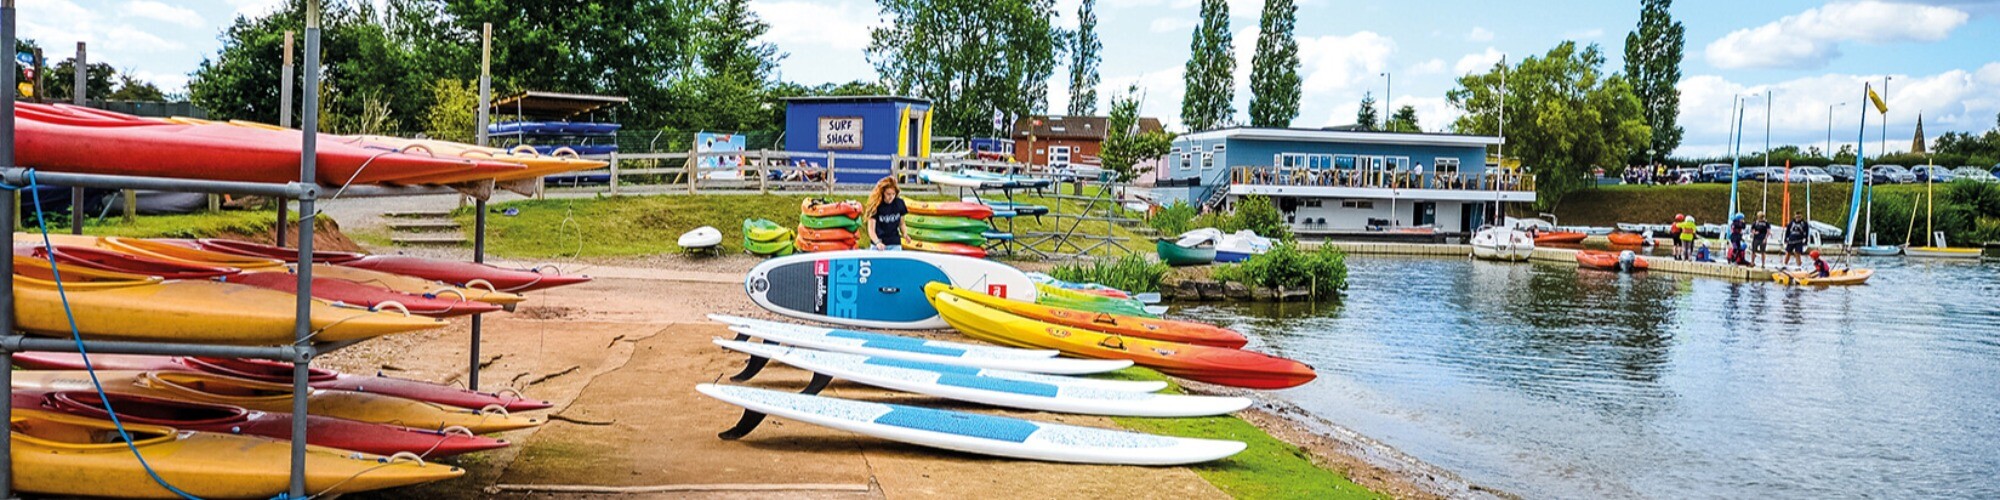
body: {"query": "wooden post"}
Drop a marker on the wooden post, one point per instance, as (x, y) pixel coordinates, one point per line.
(215, 203)
(614, 173)
(763, 179)
(131, 206)
(692, 167)
(829, 174)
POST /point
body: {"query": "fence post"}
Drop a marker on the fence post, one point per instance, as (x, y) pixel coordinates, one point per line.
(829, 173)
(763, 178)
(614, 173)
(690, 166)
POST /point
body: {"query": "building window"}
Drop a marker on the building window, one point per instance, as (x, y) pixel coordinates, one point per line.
(1207, 161)
(1218, 148)
(1312, 203)
(1363, 205)
(1187, 162)
(1446, 165)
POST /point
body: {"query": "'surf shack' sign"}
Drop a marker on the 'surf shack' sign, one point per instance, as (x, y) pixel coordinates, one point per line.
(839, 132)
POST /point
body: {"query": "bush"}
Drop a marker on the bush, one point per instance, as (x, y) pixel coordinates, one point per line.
(1174, 219)
(1286, 266)
(1258, 214)
(1132, 273)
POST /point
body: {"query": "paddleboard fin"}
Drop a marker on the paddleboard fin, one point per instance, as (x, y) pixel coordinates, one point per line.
(751, 419)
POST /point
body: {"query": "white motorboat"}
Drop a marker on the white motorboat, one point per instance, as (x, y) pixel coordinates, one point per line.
(1503, 244)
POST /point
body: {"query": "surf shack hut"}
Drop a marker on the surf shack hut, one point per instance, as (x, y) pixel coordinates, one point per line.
(1338, 182)
(872, 128)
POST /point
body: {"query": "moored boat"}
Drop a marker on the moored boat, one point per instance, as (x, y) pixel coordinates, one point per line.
(1836, 278)
(1622, 261)
(1503, 244)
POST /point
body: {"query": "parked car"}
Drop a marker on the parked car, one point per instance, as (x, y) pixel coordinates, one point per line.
(1841, 173)
(1887, 174)
(1802, 174)
(1675, 174)
(1932, 173)
(1714, 172)
(1974, 174)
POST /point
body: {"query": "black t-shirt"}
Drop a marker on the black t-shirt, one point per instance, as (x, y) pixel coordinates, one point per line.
(889, 221)
(1760, 230)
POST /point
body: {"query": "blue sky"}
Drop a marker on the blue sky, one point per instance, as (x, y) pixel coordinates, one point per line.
(1943, 55)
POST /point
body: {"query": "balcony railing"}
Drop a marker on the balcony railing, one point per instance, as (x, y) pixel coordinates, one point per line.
(1383, 179)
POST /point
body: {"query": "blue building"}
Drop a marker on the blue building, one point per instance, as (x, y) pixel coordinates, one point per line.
(876, 126)
(1334, 180)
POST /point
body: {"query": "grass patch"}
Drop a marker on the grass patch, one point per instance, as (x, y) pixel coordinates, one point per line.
(1607, 205)
(631, 226)
(196, 225)
(1269, 468)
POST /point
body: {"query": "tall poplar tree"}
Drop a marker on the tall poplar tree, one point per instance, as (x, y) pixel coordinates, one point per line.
(1083, 61)
(1274, 72)
(1211, 71)
(1653, 65)
(969, 57)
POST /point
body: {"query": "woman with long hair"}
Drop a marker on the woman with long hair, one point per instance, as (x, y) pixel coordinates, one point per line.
(884, 214)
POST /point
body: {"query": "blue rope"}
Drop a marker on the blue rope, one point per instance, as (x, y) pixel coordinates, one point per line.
(78, 337)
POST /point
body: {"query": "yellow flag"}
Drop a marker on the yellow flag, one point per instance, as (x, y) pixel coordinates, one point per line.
(1880, 107)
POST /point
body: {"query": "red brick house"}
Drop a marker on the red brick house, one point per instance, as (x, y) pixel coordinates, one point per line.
(1060, 141)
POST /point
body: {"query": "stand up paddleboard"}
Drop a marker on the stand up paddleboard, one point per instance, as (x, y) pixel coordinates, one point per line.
(856, 337)
(998, 360)
(969, 432)
(991, 390)
(875, 289)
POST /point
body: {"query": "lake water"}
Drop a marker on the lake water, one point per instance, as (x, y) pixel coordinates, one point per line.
(1551, 382)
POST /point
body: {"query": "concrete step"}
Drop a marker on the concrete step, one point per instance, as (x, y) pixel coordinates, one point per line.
(407, 239)
(425, 225)
(420, 214)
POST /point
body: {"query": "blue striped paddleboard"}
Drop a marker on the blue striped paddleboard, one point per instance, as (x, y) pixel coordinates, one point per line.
(765, 350)
(874, 288)
(861, 338)
(976, 433)
(1028, 392)
(998, 360)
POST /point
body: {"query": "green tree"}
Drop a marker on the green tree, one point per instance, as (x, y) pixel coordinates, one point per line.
(1367, 118)
(1405, 120)
(1274, 71)
(99, 80)
(453, 116)
(728, 91)
(1210, 100)
(1125, 146)
(1653, 65)
(1083, 61)
(134, 89)
(363, 70)
(1565, 116)
(969, 57)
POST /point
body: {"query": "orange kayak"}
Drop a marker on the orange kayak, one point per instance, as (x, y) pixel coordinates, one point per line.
(950, 208)
(822, 208)
(1215, 365)
(1187, 332)
(1560, 237)
(813, 246)
(1606, 261)
(1626, 239)
(830, 234)
(959, 249)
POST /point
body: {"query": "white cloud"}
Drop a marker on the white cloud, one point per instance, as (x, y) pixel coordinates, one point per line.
(841, 25)
(1129, 4)
(1160, 92)
(1172, 24)
(1336, 63)
(1477, 61)
(1479, 34)
(1431, 67)
(255, 8)
(1812, 38)
(149, 9)
(1955, 100)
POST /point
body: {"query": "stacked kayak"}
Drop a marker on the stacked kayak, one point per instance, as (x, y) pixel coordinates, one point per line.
(955, 228)
(276, 397)
(69, 455)
(63, 138)
(975, 211)
(765, 238)
(272, 371)
(378, 439)
(452, 272)
(974, 315)
(1050, 295)
(827, 226)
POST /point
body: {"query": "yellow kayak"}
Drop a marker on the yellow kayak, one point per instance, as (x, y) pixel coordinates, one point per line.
(64, 455)
(180, 254)
(110, 305)
(275, 397)
(1839, 277)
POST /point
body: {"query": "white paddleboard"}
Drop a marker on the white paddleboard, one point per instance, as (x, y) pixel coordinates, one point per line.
(766, 350)
(879, 338)
(976, 433)
(874, 288)
(990, 390)
(912, 352)
(700, 237)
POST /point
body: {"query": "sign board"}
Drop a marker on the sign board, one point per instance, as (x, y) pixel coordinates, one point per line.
(25, 58)
(839, 132)
(720, 167)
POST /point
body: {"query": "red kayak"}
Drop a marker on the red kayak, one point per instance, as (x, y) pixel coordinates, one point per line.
(106, 260)
(273, 371)
(378, 439)
(68, 143)
(466, 273)
(1560, 237)
(949, 208)
(1606, 261)
(357, 294)
(815, 246)
(829, 234)
(250, 249)
(817, 208)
